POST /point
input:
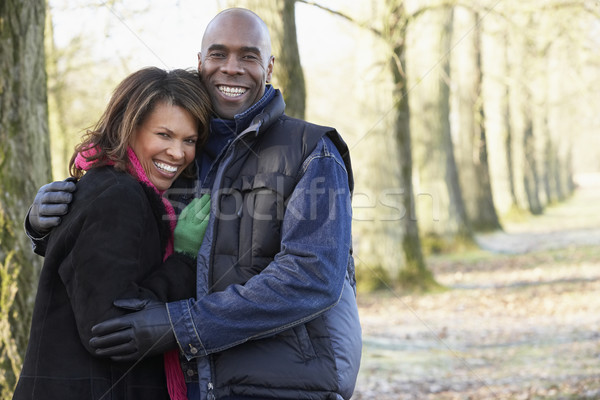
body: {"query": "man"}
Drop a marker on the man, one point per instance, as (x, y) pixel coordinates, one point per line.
(275, 315)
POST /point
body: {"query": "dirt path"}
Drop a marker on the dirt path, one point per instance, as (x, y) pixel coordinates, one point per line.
(521, 321)
(576, 222)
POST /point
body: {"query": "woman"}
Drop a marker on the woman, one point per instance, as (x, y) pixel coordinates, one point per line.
(118, 233)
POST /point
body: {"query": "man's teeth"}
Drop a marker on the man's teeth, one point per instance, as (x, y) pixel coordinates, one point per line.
(165, 167)
(232, 91)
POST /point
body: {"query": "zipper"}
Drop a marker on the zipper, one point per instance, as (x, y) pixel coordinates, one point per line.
(224, 160)
(229, 152)
(210, 395)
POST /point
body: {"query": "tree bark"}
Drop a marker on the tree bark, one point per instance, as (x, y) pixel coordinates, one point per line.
(524, 138)
(414, 273)
(531, 178)
(496, 92)
(440, 205)
(62, 147)
(506, 122)
(24, 167)
(290, 76)
(470, 138)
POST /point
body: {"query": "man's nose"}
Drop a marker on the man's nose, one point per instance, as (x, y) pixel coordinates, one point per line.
(232, 66)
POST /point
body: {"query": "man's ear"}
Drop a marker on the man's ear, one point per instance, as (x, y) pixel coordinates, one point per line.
(269, 68)
(199, 61)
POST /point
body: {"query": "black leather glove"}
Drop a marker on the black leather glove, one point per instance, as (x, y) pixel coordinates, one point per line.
(50, 203)
(144, 333)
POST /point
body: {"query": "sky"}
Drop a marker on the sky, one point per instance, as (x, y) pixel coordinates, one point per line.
(167, 33)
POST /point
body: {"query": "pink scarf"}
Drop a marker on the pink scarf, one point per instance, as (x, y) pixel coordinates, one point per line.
(175, 381)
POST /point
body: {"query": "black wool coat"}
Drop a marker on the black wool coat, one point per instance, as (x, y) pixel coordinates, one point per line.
(109, 246)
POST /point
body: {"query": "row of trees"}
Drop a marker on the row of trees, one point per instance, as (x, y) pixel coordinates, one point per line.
(476, 107)
(461, 112)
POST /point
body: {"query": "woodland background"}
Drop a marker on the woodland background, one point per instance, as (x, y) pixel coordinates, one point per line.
(461, 115)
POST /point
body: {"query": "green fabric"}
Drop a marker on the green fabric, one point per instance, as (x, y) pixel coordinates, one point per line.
(191, 226)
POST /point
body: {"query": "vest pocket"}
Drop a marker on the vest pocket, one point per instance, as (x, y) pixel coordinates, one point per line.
(305, 345)
(260, 214)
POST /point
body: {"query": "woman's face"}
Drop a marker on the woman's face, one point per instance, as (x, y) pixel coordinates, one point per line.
(165, 143)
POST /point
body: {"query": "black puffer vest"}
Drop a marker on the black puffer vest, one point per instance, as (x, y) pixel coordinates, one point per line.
(251, 210)
(251, 205)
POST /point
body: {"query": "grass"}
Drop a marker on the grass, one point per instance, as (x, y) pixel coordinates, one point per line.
(510, 326)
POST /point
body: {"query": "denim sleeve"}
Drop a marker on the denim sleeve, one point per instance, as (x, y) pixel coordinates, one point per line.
(304, 280)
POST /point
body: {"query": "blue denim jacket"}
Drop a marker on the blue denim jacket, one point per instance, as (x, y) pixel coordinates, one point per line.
(307, 278)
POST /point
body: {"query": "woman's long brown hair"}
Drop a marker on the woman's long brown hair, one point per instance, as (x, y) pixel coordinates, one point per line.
(132, 101)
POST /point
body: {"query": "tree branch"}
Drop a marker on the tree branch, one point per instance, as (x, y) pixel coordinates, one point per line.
(342, 15)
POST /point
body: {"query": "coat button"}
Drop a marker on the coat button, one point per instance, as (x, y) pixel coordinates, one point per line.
(190, 372)
(193, 350)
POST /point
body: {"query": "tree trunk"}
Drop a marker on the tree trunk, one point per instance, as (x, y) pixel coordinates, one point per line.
(25, 165)
(496, 92)
(524, 139)
(290, 76)
(470, 137)
(564, 115)
(387, 244)
(439, 204)
(61, 147)
(280, 17)
(414, 273)
(531, 180)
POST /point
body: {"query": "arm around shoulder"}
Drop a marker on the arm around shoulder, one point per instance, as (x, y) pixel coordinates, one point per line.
(49, 205)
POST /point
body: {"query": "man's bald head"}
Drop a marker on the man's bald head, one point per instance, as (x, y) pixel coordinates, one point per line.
(232, 17)
(235, 61)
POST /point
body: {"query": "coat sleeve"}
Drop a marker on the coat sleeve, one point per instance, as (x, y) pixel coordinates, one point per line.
(38, 242)
(110, 251)
(174, 280)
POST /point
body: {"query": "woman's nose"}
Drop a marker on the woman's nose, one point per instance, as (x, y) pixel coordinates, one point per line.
(175, 150)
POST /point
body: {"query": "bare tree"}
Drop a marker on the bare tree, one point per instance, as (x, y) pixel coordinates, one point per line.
(25, 165)
(440, 205)
(414, 273)
(57, 84)
(408, 269)
(545, 45)
(525, 157)
(470, 138)
(75, 102)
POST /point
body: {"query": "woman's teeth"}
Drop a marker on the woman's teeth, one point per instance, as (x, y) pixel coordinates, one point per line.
(165, 167)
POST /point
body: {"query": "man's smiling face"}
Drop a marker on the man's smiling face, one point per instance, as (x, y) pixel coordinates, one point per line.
(235, 62)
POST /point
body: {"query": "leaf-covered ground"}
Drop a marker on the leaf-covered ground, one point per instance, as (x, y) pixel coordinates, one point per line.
(520, 319)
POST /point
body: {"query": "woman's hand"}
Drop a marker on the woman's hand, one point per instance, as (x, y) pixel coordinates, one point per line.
(191, 226)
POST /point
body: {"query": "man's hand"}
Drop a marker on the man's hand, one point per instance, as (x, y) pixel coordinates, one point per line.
(144, 333)
(191, 226)
(50, 203)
